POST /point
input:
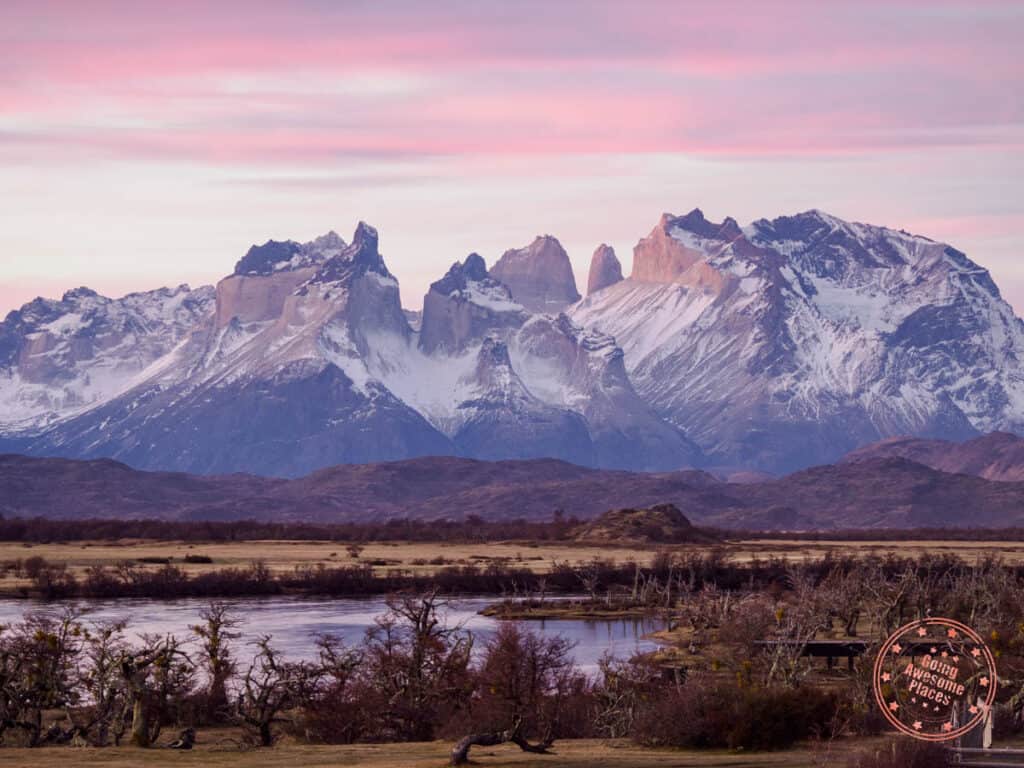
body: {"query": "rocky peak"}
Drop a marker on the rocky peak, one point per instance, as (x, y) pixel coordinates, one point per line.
(605, 269)
(540, 275)
(327, 245)
(475, 267)
(459, 275)
(494, 378)
(464, 305)
(287, 255)
(677, 244)
(269, 274)
(360, 257)
(268, 258)
(76, 294)
(365, 236)
(822, 245)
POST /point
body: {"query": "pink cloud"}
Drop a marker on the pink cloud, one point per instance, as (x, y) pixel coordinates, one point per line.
(777, 78)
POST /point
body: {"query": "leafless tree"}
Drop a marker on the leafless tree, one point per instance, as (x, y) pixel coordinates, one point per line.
(624, 686)
(270, 687)
(418, 664)
(798, 622)
(590, 577)
(100, 679)
(37, 673)
(521, 683)
(215, 634)
(152, 675)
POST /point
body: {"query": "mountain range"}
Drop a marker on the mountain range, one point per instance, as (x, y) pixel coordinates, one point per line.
(862, 492)
(771, 347)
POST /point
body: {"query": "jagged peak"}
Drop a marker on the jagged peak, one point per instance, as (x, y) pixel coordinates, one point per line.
(605, 269)
(265, 259)
(730, 228)
(275, 256)
(495, 375)
(693, 218)
(82, 292)
(328, 242)
(696, 223)
(365, 235)
(472, 269)
(539, 243)
(358, 258)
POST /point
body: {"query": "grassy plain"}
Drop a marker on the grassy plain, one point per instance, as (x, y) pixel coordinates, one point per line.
(418, 557)
(579, 753)
(427, 557)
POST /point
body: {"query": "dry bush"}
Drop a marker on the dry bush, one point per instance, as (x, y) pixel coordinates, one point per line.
(709, 713)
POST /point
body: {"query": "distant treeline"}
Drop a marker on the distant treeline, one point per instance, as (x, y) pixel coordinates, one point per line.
(40, 530)
(877, 534)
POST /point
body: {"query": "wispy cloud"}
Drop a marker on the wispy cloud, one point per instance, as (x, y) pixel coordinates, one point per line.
(220, 123)
(266, 82)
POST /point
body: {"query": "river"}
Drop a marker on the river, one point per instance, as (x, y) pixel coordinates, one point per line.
(295, 622)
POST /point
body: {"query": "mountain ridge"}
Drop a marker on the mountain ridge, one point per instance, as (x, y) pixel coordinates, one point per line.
(771, 347)
(889, 492)
(996, 456)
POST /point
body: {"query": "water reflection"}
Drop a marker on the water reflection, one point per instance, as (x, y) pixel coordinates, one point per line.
(295, 622)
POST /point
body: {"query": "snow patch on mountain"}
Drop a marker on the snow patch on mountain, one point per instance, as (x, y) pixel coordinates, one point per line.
(61, 357)
(780, 344)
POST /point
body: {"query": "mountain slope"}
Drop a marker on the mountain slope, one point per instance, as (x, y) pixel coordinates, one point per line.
(791, 342)
(523, 384)
(996, 456)
(265, 383)
(304, 358)
(61, 357)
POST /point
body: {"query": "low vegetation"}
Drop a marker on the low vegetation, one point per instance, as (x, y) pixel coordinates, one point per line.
(413, 678)
(68, 680)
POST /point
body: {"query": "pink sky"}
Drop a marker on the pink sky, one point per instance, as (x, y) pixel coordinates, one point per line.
(144, 144)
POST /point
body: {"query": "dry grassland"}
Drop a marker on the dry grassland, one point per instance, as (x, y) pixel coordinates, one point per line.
(428, 557)
(582, 753)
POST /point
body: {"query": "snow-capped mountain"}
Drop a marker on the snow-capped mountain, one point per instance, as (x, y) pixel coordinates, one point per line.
(304, 357)
(62, 357)
(789, 342)
(503, 382)
(774, 346)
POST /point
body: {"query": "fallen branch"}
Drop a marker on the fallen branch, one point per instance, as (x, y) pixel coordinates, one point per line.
(460, 752)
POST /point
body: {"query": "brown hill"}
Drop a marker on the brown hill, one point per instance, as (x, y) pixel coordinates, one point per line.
(426, 488)
(996, 456)
(658, 524)
(888, 492)
(875, 493)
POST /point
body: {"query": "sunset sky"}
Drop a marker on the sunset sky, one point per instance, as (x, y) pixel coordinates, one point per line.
(145, 144)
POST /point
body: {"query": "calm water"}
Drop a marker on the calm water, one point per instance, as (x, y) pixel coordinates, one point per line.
(295, 622)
